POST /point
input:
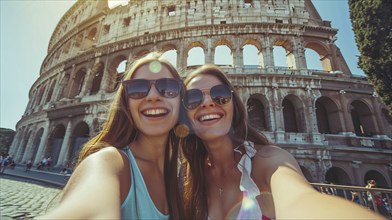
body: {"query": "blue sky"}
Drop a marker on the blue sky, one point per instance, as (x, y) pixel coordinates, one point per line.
(27, 25)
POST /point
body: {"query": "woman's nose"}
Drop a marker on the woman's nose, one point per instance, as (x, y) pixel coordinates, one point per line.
(153, 94)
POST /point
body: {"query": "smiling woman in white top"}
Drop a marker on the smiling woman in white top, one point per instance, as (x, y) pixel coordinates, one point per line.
(232, 170)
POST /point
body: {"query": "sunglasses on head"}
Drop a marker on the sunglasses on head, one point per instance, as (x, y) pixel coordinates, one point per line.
(139, 88)
(220, 94)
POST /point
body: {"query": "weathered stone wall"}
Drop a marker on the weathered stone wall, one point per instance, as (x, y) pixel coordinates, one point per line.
(331, 121)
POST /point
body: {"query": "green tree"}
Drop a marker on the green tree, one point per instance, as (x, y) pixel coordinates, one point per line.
(372, 25)
(6, 138)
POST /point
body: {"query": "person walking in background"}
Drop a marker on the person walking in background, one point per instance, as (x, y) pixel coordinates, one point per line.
(129, 170)
(232, 170)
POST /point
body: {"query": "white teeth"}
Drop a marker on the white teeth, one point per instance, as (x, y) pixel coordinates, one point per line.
(155, 111)
(209, 117)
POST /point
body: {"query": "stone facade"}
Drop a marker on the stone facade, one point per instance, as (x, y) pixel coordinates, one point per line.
(330, 120)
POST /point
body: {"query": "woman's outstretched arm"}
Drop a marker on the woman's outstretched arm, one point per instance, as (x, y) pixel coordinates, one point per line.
(294, 197)
(93, 190)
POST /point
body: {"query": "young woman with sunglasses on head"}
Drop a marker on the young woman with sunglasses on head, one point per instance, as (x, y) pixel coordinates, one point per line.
(232, 170)
(129, 170)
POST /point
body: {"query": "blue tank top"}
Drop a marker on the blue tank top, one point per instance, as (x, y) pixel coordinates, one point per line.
(138, 203)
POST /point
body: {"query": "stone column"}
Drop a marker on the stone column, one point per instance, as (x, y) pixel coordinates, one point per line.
(15, 142)
(377, 114)
(42, 144)
(29, 144)
(71, 81)
(356, 169)
(209, 56)
(238, 59)
(65, 145)
(348, 127)
(106, 78)
(181, 58)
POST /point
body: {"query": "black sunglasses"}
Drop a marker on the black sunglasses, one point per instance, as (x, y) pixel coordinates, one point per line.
(139, 88)
(220, 94)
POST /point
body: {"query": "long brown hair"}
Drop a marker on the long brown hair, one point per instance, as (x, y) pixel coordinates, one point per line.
(195, 153)
(119, 130)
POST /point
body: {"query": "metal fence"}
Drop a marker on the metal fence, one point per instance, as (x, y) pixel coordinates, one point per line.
(376, 199)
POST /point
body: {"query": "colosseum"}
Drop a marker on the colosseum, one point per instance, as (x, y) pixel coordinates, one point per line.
(332, 121)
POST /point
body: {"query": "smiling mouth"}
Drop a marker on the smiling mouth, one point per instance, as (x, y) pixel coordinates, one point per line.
(155, 112)
(209, 117)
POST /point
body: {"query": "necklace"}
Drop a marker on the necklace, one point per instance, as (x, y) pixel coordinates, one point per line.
(220, 189)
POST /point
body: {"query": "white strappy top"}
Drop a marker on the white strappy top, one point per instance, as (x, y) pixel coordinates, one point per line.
(250, 208)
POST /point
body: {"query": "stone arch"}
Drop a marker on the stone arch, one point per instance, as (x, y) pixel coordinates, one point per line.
(195, 53)
(170, 55)
(254, 42)
(50, 92)
(55, 142)
(323, 53)
(223, 53)
(251, 53)
(224, 41)
(63, 87)
(381, 181)
(77, 82)
(90, 39)
(328, 116)
(141, 53)
(79, 40)
(80, 135)
(294, 120)
(40, 95)
(97, 73)
(337, 175)
(116, 70)
(362, 118)
(257, 107)
(23, 149)
(36, 142)
(287, 45)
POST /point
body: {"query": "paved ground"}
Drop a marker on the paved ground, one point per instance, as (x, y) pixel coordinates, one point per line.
(26, 199)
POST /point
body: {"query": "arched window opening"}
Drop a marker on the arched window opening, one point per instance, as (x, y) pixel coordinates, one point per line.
(50, 93)
(290, 118)
(256, 114)
(79, 40)
(21, 152)
(251, 56)
(280, 57)
(196, 57)
(36, 143)
(90, 39)
(171, 56)
(121, 68)
(362, 119)
(54, 143)
(78, 83)
(63, 87)
(378, 177)
(322, 119)
(80, 136)
(317, 57)
(313, 60)
(97, 79)
(338, 176)
(223, 56)
(328, 117)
